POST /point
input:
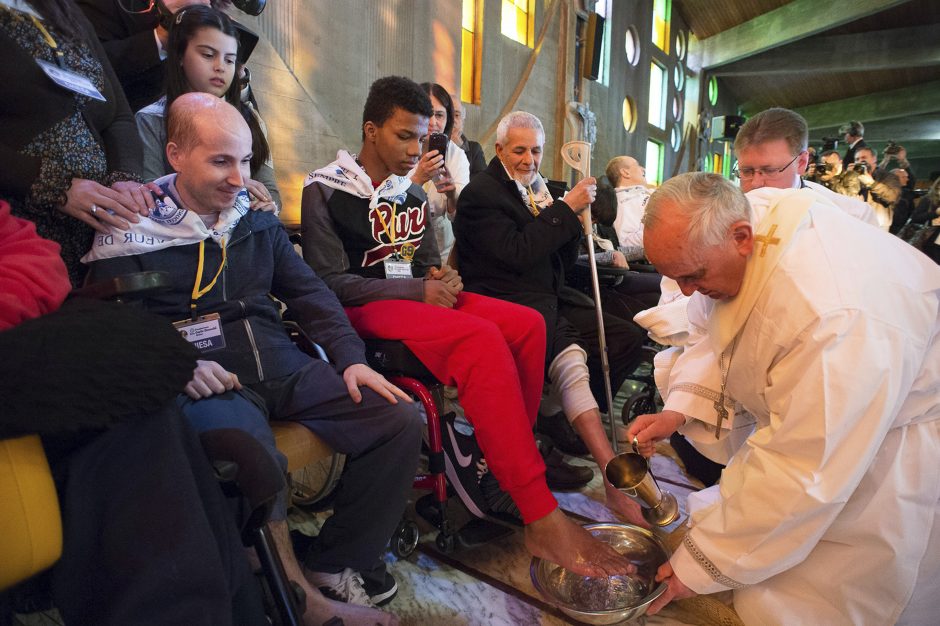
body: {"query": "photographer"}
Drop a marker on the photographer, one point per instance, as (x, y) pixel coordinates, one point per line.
(826, 170)
(135, 42)
(880, 188)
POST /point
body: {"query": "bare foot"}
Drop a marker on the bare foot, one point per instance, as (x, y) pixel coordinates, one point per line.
(559, 540)
(623, 506)
(321, 610)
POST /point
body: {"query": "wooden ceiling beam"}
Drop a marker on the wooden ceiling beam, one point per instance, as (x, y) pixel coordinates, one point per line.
(882, 105)
(789, 23)
(917, 46)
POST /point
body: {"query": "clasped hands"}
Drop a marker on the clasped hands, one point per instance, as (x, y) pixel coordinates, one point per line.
(442, 286)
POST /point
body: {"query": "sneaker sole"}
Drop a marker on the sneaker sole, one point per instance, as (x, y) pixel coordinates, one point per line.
(385, 597)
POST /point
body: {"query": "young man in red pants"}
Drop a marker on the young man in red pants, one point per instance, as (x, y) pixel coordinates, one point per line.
(366, 234)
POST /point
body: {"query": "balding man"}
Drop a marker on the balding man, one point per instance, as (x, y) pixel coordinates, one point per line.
(225, 262)
(827, 513)
(628, 178)
(473, 149)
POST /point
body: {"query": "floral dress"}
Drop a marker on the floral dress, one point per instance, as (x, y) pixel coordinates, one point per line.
(68, 149)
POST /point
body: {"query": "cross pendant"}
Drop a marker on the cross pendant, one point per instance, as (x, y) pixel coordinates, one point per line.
(722, 415)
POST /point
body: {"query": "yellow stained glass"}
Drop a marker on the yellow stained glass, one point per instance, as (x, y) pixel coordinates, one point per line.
(468, 15)
(516, 21)
(470, 53)
(662, 12)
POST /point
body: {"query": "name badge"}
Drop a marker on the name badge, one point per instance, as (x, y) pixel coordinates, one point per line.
(396, 268)
(205, 333)
(70, 80)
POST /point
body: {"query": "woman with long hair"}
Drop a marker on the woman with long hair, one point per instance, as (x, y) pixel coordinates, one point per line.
(442, 179)
(203, 55)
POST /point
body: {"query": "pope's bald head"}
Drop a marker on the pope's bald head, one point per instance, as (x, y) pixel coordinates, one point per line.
(196, 117)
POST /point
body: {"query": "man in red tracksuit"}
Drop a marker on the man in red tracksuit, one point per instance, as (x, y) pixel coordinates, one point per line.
(365, 233)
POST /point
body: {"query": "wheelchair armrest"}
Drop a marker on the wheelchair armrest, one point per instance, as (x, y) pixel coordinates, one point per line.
(136, 285)
(642, 266)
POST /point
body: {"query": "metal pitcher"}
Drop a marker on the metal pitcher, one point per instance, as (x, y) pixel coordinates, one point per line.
(630, 473)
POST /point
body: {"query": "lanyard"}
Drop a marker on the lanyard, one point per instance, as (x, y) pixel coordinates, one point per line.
(59, 57)
(535, 208)
(198, 291)
(389, 232)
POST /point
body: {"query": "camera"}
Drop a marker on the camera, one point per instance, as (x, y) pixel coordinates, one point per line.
(822, 167)
(861, 168)
(893, 148)
(830, 143)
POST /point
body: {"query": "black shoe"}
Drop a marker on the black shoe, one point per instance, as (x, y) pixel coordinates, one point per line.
(559, 474)
(464, 465)
(498, 502)
(557, 427)
(381, 592)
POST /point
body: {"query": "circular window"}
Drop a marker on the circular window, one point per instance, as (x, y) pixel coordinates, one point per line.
(713, 90)
(629, 114)
(677, 107)
(631, 45)
(675, 138)
(682, 43)
(678, 76)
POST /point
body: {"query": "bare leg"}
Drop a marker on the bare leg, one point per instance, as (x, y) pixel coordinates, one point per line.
(589, 428)
(320, 609)
(559, 540)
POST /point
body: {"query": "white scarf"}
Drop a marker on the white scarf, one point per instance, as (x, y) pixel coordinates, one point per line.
(167, 225)
(345, 174)
(540, 192)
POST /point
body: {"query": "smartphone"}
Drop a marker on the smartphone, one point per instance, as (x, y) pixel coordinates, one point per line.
(438, 141)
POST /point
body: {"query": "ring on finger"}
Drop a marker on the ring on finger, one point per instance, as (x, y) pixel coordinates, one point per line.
(94, 209)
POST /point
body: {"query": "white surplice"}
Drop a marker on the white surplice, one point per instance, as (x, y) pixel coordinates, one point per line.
(827, 512)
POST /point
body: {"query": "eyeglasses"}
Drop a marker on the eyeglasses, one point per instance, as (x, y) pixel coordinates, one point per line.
(747, 173)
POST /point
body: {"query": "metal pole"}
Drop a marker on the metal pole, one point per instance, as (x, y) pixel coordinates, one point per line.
(584, 166)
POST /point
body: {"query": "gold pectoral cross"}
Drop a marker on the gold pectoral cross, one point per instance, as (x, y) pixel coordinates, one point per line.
(768, 239)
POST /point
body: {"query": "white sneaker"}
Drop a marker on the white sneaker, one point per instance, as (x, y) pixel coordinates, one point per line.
(346, 586)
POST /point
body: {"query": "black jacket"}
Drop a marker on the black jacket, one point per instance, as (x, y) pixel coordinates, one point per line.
(261, 262)
(849, 157)
(506, 252)
(475, 156)
(131, 46)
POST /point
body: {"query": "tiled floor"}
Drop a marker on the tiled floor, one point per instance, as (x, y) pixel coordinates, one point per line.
(489, 585)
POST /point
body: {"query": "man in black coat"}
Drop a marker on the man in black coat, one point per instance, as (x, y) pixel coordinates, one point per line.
(514, 242)
(472, 149)
(853, 134)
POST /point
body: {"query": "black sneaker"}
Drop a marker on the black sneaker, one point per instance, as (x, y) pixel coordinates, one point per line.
(382, 591)
(464, 464)
(498, 502)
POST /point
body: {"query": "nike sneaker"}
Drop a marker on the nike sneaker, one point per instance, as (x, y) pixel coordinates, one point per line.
(464, 463)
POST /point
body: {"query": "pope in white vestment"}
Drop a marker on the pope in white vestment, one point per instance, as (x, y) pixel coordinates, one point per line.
(828, 337)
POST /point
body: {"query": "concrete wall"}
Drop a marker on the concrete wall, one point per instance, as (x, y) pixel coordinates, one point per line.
(316, 59)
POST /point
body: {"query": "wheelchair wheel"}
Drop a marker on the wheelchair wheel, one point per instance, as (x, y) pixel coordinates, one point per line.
(445, 543)
(405, 539)
(313, 487)
(640, 403)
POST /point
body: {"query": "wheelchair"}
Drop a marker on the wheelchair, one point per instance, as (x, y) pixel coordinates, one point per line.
(397, 363)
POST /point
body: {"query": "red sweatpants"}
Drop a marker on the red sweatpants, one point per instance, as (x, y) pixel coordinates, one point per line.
(493, 351)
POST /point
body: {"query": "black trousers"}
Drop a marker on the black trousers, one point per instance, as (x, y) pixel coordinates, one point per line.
(624, 346)
(381, 441)
(149, 538)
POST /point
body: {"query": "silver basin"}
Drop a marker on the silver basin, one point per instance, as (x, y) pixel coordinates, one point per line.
(606, 600)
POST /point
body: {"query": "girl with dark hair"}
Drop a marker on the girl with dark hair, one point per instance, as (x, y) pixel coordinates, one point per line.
(70, 156)
(203, 55)
(442, 181)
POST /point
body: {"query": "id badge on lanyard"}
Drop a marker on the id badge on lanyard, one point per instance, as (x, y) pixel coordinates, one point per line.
(57, 72)
(205, 333)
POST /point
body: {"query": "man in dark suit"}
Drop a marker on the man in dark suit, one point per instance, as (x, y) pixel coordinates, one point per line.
(514, 241)
(853, 133)
(135, 43)
(473, 149)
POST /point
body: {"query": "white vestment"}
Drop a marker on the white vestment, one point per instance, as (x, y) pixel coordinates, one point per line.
(631, 204)
(856, 207)
(827, 512)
